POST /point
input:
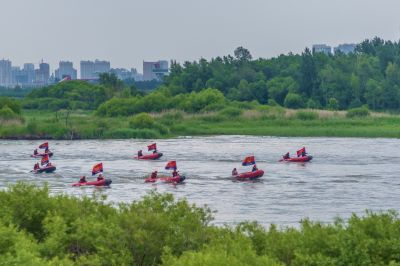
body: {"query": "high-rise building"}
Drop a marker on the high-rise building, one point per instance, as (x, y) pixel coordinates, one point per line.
(87, 69)
(101, 67)
(29, 69)
(322, 48)
(5, 73)
(92, 70)
(18, 76)
(42, 75)
(65, 69)
(155, 70)
(345, 48)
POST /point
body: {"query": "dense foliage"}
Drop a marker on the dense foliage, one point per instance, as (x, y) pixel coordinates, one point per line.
(39, 229)
(10, 109)
(370, 76)
(67, 95)
(207, 99)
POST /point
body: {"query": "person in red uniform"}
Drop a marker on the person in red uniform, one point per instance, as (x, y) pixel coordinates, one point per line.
(100, 177)
(153, 175)
(234, 172)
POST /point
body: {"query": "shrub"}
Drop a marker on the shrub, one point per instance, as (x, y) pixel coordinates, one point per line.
(198, 101)
(118, 107)
(59, 229)
(213, 107)
(142, 120)
(356, 103)
(72, 94)
(12, 104)
(307, 115)
(146, 121)
(32, 126)
(294, 101)
(272, 102)
(313, 104)
(171, 117)
(231, 112)
(6, 113)
(333, 104)
(358, 112)
(216, 118)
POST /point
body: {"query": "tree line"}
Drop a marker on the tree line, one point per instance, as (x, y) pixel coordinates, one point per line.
(370, 75)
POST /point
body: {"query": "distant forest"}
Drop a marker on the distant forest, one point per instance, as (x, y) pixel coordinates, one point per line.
(369, 76)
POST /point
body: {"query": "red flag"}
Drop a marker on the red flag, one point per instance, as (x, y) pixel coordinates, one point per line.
(98, 168)
(44, 145)
(152, 147)
(300, 152)
(171, 165)
(249, 160)
(45, 160)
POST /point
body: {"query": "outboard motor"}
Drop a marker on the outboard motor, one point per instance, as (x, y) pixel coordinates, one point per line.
(108, 182)
(182, 178)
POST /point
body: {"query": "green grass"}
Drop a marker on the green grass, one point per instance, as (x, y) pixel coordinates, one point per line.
(86, 125)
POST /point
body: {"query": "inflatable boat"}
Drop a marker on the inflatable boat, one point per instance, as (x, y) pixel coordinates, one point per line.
(250, 175)
(152, 156)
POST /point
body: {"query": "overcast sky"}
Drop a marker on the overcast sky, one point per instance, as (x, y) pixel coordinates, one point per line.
(126, 32)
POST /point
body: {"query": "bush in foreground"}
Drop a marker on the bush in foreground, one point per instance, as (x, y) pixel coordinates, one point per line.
(39, 229)
(358, 112)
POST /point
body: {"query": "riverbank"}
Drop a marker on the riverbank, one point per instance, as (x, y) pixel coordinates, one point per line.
(268, 121)
(158, 229)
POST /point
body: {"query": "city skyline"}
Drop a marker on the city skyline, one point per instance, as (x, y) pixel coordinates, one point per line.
(30, 76)
(128, 32)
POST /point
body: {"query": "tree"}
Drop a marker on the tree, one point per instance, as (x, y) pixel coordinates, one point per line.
(333, 104)
(242, 54)
(308, 72)
(374, 94)
(111, 81)
(294, 101)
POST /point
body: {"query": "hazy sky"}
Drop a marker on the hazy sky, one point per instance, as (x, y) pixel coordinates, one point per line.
(126, 32)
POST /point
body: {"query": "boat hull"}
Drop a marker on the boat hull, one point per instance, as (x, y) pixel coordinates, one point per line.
(153, 156)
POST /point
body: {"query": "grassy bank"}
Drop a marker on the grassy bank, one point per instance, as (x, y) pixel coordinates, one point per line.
(266, 121)
(39, 229)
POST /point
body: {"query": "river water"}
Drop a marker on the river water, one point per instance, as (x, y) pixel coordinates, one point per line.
(346, 175)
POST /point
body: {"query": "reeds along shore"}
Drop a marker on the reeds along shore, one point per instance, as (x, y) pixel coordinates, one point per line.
(261, 121)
